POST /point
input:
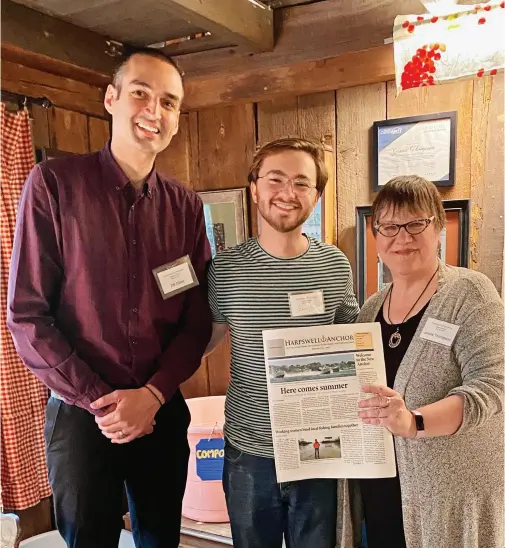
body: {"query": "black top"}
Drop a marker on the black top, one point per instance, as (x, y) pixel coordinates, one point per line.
(382, 496)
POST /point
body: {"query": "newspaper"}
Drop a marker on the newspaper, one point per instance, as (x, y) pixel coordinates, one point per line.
(314, 375)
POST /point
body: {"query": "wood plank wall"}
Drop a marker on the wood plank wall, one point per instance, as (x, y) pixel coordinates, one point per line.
(214, 148)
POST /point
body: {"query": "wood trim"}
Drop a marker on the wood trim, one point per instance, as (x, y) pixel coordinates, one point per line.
(49, 38)
(237, 22)
(349, 70)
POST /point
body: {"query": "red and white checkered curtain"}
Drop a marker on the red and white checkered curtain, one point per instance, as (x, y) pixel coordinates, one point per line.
(24, 480)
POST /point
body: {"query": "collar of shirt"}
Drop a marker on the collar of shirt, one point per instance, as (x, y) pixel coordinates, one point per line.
(117, 177)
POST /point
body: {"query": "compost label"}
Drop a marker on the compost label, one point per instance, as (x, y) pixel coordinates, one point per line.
(210, 459)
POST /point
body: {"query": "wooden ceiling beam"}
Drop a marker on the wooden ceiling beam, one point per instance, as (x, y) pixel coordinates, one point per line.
(44, 42)
(239, 22)
(348, 70)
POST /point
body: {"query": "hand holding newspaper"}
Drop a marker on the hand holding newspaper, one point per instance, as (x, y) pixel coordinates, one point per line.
(314, 377)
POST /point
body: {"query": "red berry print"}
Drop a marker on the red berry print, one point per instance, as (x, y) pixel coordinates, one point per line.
(420, 70)
(434, 19)
(493, 72)
(482, 20)
(480, 74)
(411, 28)
(419, 18)
(502, 5)
(487, 8)
(405, 24)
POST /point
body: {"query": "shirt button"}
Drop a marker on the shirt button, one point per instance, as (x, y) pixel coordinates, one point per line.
(134, 276)
(117, 188)
(135, 310)
(134, 342)
(134, 242)
(133, 207)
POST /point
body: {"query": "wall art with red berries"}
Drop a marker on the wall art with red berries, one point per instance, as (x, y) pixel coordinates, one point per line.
(436, 49)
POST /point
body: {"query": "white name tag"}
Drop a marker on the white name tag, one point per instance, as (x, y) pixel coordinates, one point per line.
(306, 303)
(176, 277)
(439, 332)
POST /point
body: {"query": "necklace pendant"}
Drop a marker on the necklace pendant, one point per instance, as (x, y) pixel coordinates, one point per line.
(395, 339)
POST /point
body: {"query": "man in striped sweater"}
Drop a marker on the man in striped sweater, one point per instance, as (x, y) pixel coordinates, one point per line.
(251, 287)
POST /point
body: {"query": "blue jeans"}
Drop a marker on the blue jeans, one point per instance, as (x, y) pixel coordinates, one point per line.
(262, 511)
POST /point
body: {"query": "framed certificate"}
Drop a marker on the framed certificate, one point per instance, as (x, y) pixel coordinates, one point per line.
(418, 145)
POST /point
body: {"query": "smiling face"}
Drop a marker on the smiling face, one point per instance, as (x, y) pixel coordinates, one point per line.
(285, 209)
(406, 253)
(145, 105)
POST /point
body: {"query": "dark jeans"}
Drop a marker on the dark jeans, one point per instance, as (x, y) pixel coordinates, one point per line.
(262, 510)
(87, 474)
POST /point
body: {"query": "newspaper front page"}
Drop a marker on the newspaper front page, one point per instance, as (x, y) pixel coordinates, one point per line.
(314, 377)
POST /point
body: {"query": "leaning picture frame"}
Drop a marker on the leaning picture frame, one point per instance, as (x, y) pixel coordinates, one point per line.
(424, 145)
(373, 275)
(226, 219)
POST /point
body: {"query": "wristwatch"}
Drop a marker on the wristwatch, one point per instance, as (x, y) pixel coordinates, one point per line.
(419, 424)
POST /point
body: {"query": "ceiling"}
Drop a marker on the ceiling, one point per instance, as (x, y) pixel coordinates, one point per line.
(178, 26)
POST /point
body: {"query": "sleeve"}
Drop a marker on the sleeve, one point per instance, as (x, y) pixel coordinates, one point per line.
(478, 347)
(184, 354)
(36, 273)
(348, 310)
(217, 316)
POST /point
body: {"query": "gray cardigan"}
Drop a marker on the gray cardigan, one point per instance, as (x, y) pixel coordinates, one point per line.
(452, 486)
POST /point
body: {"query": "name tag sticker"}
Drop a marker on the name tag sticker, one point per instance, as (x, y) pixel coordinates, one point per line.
(176, 277)
(439, 332)
(306, 303)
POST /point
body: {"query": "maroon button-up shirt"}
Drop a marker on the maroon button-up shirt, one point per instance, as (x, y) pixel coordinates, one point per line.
(84, 308)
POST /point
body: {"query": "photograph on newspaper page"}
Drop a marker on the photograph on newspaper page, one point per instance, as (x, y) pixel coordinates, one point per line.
(314, 375)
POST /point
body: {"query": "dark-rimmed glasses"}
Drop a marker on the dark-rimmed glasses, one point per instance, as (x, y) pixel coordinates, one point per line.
(390, 230)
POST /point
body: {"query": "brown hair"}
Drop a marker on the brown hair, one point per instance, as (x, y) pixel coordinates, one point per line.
(413, 193)
(149, 52)
(309, 146)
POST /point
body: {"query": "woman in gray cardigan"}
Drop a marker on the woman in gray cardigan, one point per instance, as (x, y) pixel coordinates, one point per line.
(443, 344)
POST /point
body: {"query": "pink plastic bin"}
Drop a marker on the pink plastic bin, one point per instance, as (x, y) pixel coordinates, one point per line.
(204, 500)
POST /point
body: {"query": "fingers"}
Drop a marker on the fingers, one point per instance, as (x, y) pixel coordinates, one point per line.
(376, 413)
(132, 436)
(378, 389)
(108, 399)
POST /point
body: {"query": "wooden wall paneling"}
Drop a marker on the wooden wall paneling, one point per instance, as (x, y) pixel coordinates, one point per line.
(68, 131)
(481, 103)
(357, 109)
(491, 239)
(40, 127)
(176, 159)
(316, 119)
(226, 146)
(197, 386)
(277, 118)
(63, 92)
(99, 133)
(457, 97)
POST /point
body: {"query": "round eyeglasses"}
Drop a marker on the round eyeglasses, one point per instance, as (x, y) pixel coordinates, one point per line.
(277, 183)
(390, 230)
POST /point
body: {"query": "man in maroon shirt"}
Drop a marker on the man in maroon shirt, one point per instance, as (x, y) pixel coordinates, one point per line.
(107, 306)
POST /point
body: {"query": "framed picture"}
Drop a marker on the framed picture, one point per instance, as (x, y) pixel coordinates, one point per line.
(372, 274)
(225, 217)
(42, 154)
(418, 145)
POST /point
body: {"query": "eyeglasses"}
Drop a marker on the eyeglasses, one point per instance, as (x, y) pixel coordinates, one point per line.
(390, 230)
(277, 183)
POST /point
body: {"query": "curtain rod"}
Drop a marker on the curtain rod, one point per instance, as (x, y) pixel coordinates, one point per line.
(23, 100)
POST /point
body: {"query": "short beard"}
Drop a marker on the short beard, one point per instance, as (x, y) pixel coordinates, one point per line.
(283, 228)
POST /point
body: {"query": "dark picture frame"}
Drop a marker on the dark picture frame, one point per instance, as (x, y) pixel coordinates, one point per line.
(369, 265)
(386, 131)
